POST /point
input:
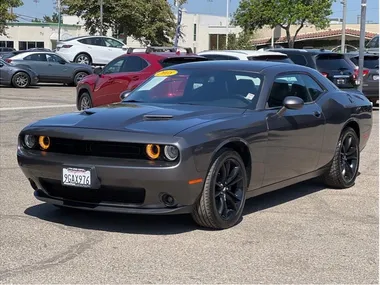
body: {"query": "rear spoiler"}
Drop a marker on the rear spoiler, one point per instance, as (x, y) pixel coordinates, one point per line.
(161, 49)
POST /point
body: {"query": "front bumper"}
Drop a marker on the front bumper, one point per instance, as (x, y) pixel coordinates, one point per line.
(126, 185)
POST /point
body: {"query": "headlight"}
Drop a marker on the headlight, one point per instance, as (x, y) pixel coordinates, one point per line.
(30, 141)
(171, 152)
(153, 151)
(44, 142)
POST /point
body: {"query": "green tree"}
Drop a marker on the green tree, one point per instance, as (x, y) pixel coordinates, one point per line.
(147, 21)
(242, 41)
(5, 15)
(53, 19)
(255, 14)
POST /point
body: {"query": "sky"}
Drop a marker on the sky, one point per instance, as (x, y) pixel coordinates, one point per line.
(31, 9)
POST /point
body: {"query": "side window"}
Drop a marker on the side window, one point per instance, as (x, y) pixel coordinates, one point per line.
(287, 85)
(96, 41)
(312, 86)
(114, 66)
(298, 59)
(36, 57)
(53, 58)
(113, 43)
(134, 64)
(374, 43)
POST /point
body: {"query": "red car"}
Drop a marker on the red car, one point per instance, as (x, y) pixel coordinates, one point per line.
(125, 73)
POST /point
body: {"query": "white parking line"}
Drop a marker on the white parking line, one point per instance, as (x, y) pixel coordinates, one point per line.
(35, 107)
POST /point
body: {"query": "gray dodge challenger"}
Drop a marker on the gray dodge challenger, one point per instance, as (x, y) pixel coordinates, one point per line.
(199, 138)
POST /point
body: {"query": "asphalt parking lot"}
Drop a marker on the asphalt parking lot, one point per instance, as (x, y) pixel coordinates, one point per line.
(302, 234)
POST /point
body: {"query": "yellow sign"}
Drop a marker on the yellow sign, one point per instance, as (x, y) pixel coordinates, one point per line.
(165, 73)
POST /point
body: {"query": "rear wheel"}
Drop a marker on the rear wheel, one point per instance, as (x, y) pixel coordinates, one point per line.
(83, 58)
(222, 201)
(85, 101)
(345, 165)
(21, 80)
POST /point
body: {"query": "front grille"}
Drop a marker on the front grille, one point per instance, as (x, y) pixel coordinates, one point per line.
(97, 148)
(105, 194)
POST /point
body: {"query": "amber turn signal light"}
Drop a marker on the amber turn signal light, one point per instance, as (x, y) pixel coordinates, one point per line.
(44, 142)
(153, 151)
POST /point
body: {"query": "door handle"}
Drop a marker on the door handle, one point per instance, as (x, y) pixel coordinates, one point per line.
(317, 114)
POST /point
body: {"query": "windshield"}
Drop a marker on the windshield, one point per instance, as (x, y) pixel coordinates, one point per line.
(221, 88)
(371, 62)
(333, 62)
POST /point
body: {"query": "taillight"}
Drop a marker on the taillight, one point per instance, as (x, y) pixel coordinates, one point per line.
(66, 46)
(325, 74)
(356, 72)
(8, 60)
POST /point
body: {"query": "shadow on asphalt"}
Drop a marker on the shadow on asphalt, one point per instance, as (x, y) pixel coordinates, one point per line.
(164, 224)
(29, 87)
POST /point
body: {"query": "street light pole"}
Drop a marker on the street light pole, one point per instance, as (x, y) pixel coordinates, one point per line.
(343, 44)
(59, 21)
(101, 17)
(362, 41)
(227, 22)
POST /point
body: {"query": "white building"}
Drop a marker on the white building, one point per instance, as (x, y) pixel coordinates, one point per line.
(201, 32)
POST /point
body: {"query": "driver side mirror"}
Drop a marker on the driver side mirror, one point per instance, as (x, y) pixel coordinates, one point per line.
(98, 70)
(291, 103)
(124, 94)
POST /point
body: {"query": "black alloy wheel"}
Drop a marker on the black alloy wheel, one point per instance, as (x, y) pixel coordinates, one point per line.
(344, 167)
(222, 200)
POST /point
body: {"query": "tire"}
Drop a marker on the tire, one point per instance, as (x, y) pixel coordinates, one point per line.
(78, 77)
(205, 212)
(83, 58)
(20, 80)
(343, 161)
(85, 101)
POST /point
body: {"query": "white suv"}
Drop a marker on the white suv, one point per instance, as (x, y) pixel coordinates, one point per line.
(91, 50)
(245, 55)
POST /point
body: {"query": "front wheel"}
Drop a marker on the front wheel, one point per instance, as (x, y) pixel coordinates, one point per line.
(85, 101)
(21, 80)
(345, 165)
(222, 201)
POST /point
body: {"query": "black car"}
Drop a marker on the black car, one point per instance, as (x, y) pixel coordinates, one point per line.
(233, 130)
(335, 66)
(370, 74)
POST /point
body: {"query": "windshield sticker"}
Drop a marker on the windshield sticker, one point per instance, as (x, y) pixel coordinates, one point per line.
(250, 96)
(166, 73)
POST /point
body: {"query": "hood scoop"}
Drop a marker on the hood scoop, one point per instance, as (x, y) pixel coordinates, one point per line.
(157, 117)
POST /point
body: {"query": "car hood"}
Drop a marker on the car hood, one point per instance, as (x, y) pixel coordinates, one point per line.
(141, 117)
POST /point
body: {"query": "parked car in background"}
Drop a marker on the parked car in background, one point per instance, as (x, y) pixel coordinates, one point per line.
(17, 76)
(5, 50)
(10, 54)
(335, 66)
(52, 68)
(125, 73)
(373, 45)
(370, 74)
(91, 50)
(245, 55)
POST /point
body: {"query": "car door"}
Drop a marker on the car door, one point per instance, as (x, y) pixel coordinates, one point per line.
(111, 83)
(295, 137)
(58, 67)
(38, 62)
(114, 48)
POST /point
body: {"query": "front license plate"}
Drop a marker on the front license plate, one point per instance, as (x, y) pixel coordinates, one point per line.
(340, 81)
(77, 177)
(375, 77)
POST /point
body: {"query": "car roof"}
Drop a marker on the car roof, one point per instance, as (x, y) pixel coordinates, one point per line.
(305, 51)
(24, 54)
(242, 65)
(241, 52)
